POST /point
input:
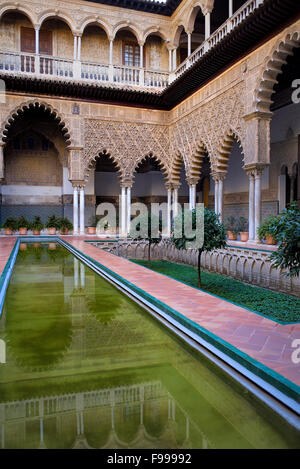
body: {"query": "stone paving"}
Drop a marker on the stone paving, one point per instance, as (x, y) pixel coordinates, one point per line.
(262, 339)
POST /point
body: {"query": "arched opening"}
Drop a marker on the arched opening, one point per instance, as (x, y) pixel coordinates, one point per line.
(182, 50)
(284, 136)
(126, 48)
(94, 48)
(219, 14)
(35, 166)
(56, 39)
(204, 182)
(107, 180)
(197, 26)
(156, 55)
(149, 182)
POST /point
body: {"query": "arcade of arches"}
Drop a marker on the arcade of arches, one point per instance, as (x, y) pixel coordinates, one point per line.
(234, 145)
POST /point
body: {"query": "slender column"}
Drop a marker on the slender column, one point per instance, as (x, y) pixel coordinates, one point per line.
(174, 59)
(189, 44)
(82, 210)
(75, 210)
(1, 161)
(169, 208)
(82, 275)
(75, 47)
(207, 25)
(79, 48)
(230, 8)
(251, 207)
(216, 196)
(193, 196)
(123, 211)
(257, 195)
(170, 60)
(111, 51)
(220, 198)
(190, 197)
(175, 202)
(128, 197)
(141, 55)
(76, 272)
(37, 39)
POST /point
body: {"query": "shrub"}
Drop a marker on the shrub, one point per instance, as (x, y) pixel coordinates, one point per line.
(242, 224)
(52, 222)
(23, 223)
(64, 224)
(10, 223)
(268, 227)
(37, 224)
(230, 225)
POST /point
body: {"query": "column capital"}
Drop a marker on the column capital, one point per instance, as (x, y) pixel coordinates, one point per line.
(192, 181)
(218, 176)
(254, 170)
(37, 27)
(78, 184)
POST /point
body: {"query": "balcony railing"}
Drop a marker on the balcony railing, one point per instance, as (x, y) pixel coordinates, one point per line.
(235, 20)
(47, 66)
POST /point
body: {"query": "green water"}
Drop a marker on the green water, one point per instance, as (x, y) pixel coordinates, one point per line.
(84, 366)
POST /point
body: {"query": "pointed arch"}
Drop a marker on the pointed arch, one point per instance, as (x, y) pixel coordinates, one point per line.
(224, 150)
(272, 67)
(36, 104)
(91, 161)
(176, 168)
(163, 168)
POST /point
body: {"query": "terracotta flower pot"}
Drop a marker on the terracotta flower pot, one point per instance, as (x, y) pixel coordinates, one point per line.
(52, 246)
(8, 231)
(23, 231)
(244, 236)
(270, 239)
(231, 235)
(36, 232)
(64, 231)
(23, 247)
(51, 231)
(36, 245)
(91, 230)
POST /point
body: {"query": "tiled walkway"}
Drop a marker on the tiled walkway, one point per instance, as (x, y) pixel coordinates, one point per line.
(264, 340)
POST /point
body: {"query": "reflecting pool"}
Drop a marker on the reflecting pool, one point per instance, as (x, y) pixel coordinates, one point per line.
(83, 366)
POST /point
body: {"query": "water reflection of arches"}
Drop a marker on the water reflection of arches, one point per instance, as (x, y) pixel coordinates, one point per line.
(2, 351)
(73, 420)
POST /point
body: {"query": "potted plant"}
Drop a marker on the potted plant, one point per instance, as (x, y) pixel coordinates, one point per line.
(231, 228)
(37, 226)
(10, 225)
(242, 226)
(52, 225)
(267, 229)
(92, 225)
(23, 225)
(65, 225)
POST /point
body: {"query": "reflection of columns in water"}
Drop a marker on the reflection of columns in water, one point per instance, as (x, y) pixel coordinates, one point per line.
(82, 275)
(2, 435)
(187, 429)
(41, 431)
(76, 272)
(79, 423)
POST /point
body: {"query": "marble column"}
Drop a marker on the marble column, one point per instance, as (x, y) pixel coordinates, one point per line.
(111, 50)
(257, 202)
(75, 210)
(37, 39)
(141, 55)
(216, 195)
(220, 198)
(128, 207)
(189, 44)
(79, 48)
(75, 48)
(170, 61)
(251, 207)
(169, 208)
(207, 25)
(230, 8)
(175, 202)
(81, 210)
(123, 211)
(174, 59)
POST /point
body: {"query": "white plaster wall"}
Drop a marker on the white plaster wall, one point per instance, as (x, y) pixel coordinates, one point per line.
(285, 123)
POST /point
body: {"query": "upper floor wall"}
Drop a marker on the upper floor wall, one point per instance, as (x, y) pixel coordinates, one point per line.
(111, 44)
